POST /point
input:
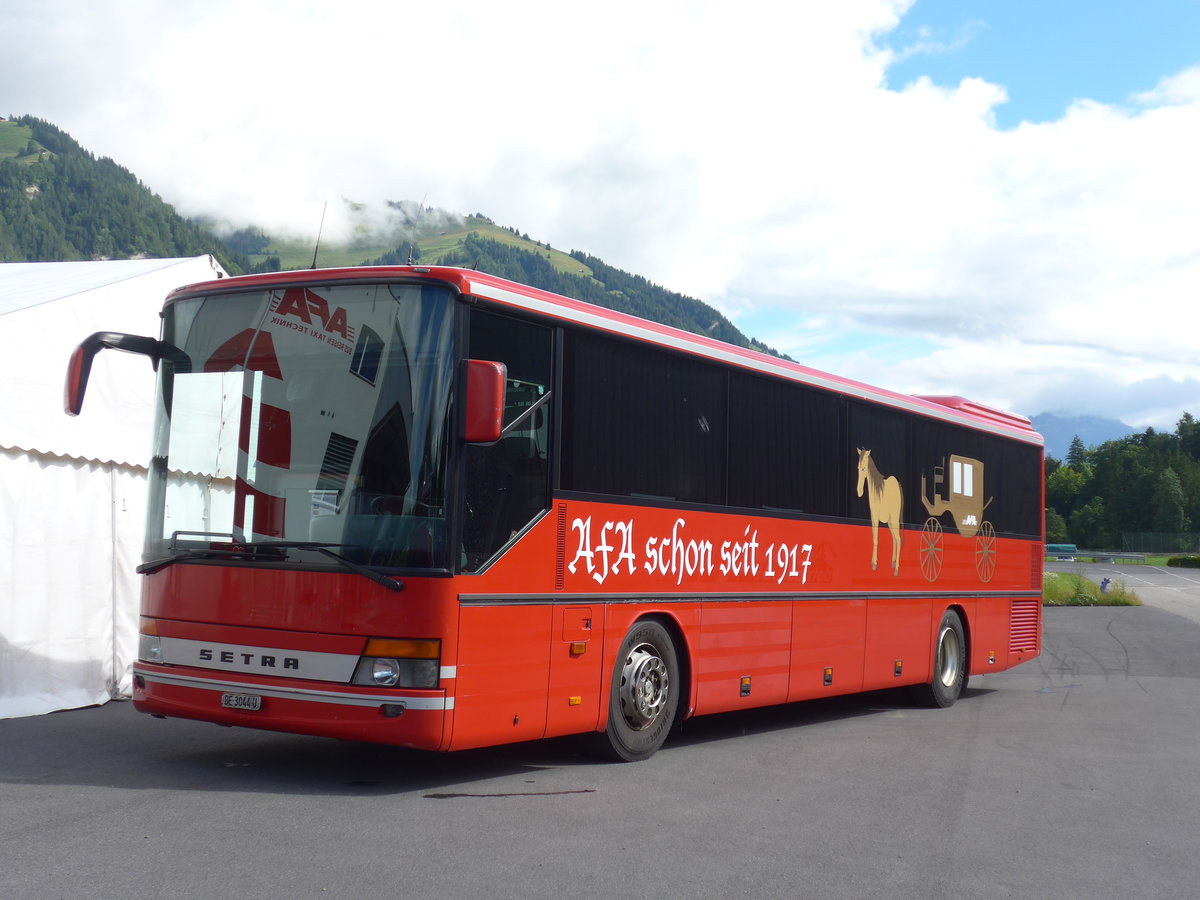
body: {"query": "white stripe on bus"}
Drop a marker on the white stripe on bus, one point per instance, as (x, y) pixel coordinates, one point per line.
(290, 693)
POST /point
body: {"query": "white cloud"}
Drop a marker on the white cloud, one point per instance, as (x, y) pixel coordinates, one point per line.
(926, 43)
(755, 159)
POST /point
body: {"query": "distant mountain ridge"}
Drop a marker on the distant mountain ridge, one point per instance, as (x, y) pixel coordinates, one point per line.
(1060, 430)
(59, 202)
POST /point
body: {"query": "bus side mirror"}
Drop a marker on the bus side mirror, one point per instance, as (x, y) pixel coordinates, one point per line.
(485, 400)
(78, 370)
(80, 366)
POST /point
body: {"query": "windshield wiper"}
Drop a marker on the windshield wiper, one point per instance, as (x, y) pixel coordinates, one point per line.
(392, 584)
(176, 555)
(255, 550)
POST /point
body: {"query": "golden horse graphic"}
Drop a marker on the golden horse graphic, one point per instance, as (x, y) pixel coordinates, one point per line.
(886, 500)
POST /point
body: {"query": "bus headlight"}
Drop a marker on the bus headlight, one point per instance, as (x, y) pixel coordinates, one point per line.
(385, 672)
(399, 663)
(150, 648)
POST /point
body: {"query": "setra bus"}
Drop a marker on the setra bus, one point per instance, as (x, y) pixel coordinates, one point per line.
(429, 507)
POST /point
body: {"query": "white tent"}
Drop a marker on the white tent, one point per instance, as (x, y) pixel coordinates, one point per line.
(73, 489)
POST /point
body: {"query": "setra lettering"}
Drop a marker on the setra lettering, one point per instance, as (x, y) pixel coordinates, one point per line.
(248, 659)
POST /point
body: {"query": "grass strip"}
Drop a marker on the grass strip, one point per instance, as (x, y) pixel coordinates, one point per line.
(1066, 589)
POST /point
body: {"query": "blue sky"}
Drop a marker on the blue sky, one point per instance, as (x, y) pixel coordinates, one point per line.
(1048, 53)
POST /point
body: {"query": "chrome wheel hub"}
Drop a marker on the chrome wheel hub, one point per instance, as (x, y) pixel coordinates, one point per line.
(949, 651)
(645, 686)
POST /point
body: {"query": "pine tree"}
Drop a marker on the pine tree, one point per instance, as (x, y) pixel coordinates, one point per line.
(1169, 503)
(1087, 525)
(1076, 453)
(1188, 430)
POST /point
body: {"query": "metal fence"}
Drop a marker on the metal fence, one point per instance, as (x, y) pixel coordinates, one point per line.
(1161, 541)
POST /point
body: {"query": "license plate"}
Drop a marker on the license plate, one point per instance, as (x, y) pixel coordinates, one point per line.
(241, 701)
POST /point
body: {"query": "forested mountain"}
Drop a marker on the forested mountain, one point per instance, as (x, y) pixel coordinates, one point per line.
(1101, 497)
(604, 286)
(59, 202)
(1058, 430)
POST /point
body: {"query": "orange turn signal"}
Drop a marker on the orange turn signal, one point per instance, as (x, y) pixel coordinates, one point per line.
(401, 648)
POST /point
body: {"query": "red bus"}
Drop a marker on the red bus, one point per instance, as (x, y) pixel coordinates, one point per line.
(429, 507)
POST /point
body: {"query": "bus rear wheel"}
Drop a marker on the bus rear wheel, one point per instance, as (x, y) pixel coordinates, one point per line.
(644, 695)
(949, 664)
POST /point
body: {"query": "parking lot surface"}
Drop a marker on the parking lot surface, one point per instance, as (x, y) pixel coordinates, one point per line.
(1074, 775)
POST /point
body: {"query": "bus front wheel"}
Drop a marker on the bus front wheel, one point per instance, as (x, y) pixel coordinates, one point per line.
(949, 664)
(644, 694)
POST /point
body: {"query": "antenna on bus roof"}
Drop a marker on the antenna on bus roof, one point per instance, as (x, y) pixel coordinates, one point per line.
(320, 228)
(410, 253)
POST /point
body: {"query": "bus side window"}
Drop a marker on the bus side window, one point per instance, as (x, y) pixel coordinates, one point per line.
(507, 483)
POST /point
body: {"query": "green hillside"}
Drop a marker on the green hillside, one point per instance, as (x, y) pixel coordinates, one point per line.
(17, 144)
(435, 237)
(432, 241)
(59, 202)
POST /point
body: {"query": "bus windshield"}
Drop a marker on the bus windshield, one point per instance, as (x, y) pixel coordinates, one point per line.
(306, 416)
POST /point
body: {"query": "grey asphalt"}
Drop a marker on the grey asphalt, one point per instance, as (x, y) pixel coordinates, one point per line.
(1074, 775)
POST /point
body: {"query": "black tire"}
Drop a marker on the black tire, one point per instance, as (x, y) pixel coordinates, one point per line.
(949, 664)
(643, 697)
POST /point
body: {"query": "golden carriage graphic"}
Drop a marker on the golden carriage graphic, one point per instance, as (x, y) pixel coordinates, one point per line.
(964, 501)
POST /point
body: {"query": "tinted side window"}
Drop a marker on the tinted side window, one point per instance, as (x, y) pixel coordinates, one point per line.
(978, 474)
(507, 484)
(878, 451)
(785, 447)
(641, 422)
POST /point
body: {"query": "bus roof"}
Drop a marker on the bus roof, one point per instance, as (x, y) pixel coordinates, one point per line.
(554, 306)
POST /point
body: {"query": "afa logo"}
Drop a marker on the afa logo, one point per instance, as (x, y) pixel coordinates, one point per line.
(312, 309)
